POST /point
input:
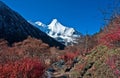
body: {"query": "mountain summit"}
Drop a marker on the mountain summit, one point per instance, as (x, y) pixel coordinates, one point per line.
(14, 28)
(59, 29)
(61, 33)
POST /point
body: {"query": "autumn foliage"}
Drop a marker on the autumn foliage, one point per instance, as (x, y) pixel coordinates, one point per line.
(31, 57)
(25, 68)
(113, 63)
(111, 34)
(111, 39)
(23, 59)
(69, 56)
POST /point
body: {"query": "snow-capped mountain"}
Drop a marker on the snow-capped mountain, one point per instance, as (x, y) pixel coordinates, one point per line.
(59, 32)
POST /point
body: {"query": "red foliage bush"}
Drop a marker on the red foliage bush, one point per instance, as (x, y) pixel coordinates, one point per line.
(19, 60)
(111, 39)
(69, 56)
(110, 35)
(25, 68)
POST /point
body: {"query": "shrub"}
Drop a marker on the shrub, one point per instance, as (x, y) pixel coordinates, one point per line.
(112, 63)
(69, 56)
(25, 68)
(111, 39)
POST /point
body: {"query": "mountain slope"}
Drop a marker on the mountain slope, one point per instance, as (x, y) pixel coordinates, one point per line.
(59, 32)
(15, 28)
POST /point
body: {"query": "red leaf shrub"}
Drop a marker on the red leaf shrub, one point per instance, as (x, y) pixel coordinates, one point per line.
(25, 68)
(69, 55)
(111, 39)
(110, 35)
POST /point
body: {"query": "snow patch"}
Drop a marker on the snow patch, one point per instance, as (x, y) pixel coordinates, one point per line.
(39, 23)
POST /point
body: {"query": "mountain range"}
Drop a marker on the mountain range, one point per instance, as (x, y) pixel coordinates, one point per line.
(61, 33)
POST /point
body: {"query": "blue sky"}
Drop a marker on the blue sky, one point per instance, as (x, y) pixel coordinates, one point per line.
(83, 15)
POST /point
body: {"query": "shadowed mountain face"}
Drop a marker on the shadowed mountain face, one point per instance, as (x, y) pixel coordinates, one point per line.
(15, 28)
